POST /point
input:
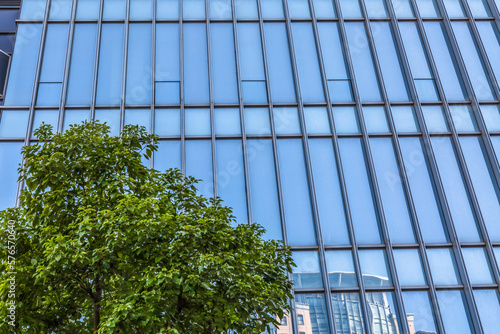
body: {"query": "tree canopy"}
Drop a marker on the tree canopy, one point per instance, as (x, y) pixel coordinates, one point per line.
(105, 244)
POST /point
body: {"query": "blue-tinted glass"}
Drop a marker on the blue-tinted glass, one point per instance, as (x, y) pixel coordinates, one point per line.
(364, 216)
(491, 116)
(348, 313)
(359, 48)
(422, 190)
(445, 63)
(488, 308)
(167, 92)
(197, 122)
(167, 9)
(114, 9)
(486, 189)
(409, 267)
(324, 9)
(139, 64)
(250, 51)
(298, 9)
(193, 9)
(383, 315)
(141, 9)
(112, 119)
(54, 53)
(397, 215)
(403, 8)
(168, 122)
(390, 64)
(312, 308)
(49, 94)
(225, 88)
(376, 8)
(13, 123)
(434, 119)
(419, 311)
(168, 155)
(374, 268)
(317, 120)
(167, 70)
(404, 119)
(81, 73)
(497, 255)
(426, 90)
(346, 120)
(20, 86)
(340, 266)
(296, 199)
(443, 268)
(311, 86)
(231, 177)
(477, 265)
(428, 8)
(199, 165)
(8, 22)
(195, 63)
(491, 43)
(307, 273)
(254, 91)
(286, 121)
(47, 116)
(246, 9)
(87, 9)
(272, 9)
(227, 121)
(278, 59)
(463, 119)
(375, 120)
(32, 10)
(75, 117)
(141, 117)
(479, 8)
(455, 316)
(340, 91)
(10, 158)
(257, 121)
(454, 187)
(454, 8)
(109, 79)
(7, 42)
(328, 192)
(263, 188)
(350, 8)
(60, 9)
(472, 60)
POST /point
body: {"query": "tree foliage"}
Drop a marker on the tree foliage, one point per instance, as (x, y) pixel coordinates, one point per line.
(106, 245)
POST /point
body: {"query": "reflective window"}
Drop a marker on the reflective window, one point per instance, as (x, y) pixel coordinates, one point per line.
(13, 123)
(434, 119)
(317, 120)
(340, 266)
(328, 192)
(167, 70)
(138, 84)
(350, 8)
(193, 9)
(409, 267)
(346, 120)
(257, 121)
(455, 316)
(167, 9)
(376, 8)
(477, 265)
(33, 10)
(374, 268)
(225, 88)
(195, 62)
(307, 273)
(443, 267)
(491, 116)
(141, 117)
(324, 9)
(168, 155)
(114, 9)
(383, 312)
(428, 8)
(419, 314)
(47, 116)
(375, 120)
(220, 9)
(403, 8)
(227, 121)
(87, 9)
(488, 308)
(286, 120)
(454, 8)
(364, 216)
(199, 165)
(272, 9)
(8, 19)
(298, 9)
(197, 122)
(75, 116)
(479, 8)
(109, 78)
(404, 119)
(348, 313)
(246, 9)
(10, 158)
(168, 122)
(491, 43)
(463, 118)
(112, 119)
(60, 9)
(296, 198)
(312, 308)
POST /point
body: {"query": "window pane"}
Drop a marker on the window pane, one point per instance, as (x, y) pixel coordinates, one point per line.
(383, 315)
(375, 120)
(87, 9)
(193, 9)
(141, 117)
(491, 43)
(141, 9)
(197, 122)
(428, 8)
(374, 268)
(257, 121)
(264, 193)
(346, 120)
(488, 309)
(348, 313)
(227, 121)
(376, 8)
(317, 120)
(307, 273)
(298, 9)
(231, 177)
(10, 158)
(443, 268)
(409, 267)
(114, 9)
(296, 198)
(168, 155)
(477, 265)
(246, 9)
(220, 9)
(199, 165)
(328, 192)
(250, 51)
(402, 8)
(13, 123)
(340, 266)
(167, 73)
(272, 9)
(225, 88)
(286, 120)
(168, 122)
(33, 10)
(455, 316)
(350, 8)
(49, 94)
(463, 118)
(364, 216)
(312, 308)
(109, 81)
(111, 117)
(8, 19)
(419, 312)
(404, 119)
(324, 9)
(139, 64)
(47, 116)
(491, 116)
(434, 119)
(76, 117)
(167, 9)
(454, 8)
(195, 63)
(60, 9)
(479, 8)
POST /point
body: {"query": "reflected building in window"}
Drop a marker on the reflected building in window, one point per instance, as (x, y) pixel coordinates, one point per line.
(365, 134)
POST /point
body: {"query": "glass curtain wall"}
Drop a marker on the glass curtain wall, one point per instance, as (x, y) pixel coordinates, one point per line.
(365, 134)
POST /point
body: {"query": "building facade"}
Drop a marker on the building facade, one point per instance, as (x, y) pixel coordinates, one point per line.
(365, 134)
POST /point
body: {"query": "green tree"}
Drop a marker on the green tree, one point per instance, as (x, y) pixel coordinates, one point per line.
(106, 245)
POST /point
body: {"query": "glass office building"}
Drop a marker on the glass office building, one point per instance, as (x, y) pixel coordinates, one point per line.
(365, 134)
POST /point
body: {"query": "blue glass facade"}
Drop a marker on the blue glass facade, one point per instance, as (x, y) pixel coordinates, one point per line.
(365, 134)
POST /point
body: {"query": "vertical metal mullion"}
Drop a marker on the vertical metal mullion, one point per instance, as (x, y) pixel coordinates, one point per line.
(96, 61)
(495, 11)
(153, 77)
(350, 67)
(275, 152)
(124, 69)
(246, 173)
(181, 89)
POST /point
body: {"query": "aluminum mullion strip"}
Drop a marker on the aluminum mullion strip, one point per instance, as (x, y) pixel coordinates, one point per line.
(350, 67)
(246, 173)
(96, 61)
(124, 67)
(181, 88)
(153, 75)
(293, 314)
